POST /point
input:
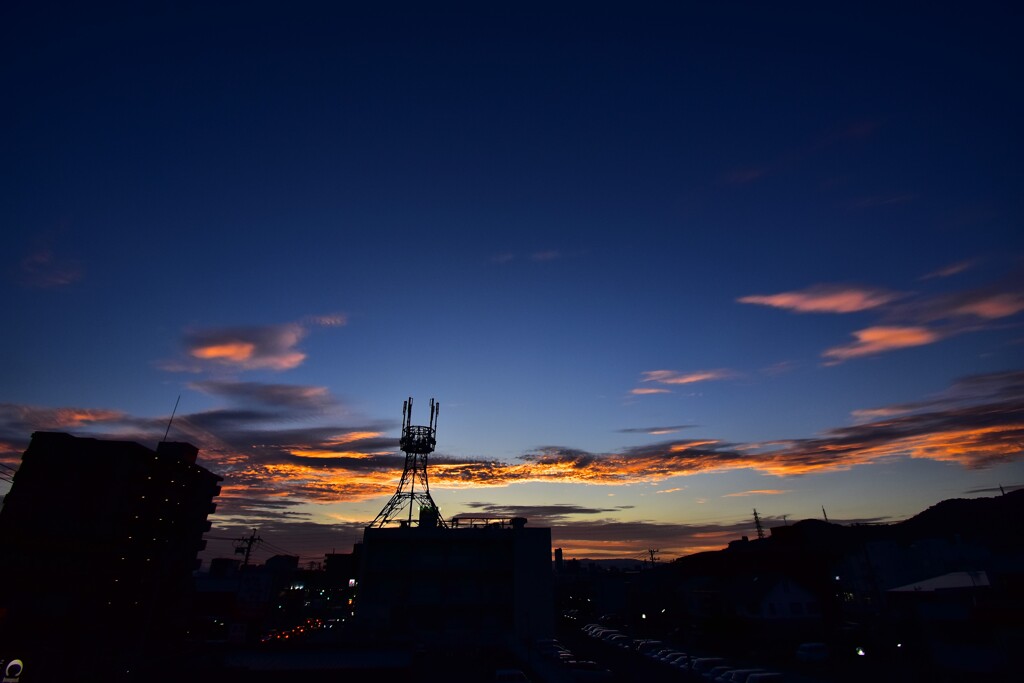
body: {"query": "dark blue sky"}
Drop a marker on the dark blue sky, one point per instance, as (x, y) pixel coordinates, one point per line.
(661, 263)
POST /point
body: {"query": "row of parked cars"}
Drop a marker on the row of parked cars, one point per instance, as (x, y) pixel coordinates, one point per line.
(577, 669)
(695, 667)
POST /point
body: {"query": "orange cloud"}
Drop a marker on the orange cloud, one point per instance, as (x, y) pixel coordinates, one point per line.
(691, 445)
(354, 436)
(873, 340)
(643, 391)
(824, 299)
(972, 437)
(235, 352)
(314, 453)
(867, 414)
(249, 348)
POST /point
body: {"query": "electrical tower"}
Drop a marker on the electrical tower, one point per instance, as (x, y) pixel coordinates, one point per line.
(757, 524)
(417, 443)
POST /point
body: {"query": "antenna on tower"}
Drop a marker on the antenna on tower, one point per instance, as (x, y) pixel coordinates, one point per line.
(417, 442)
(757, 524)
(172, 418)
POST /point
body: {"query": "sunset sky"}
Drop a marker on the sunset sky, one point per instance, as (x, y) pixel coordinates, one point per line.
(660, 263)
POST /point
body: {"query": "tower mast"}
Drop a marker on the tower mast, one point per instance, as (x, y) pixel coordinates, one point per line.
(417, 442)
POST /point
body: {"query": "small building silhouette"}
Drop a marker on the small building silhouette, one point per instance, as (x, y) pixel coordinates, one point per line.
(100, 539)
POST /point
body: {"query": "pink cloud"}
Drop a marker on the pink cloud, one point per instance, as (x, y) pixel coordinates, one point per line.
(949, 270)
(994, 306)
(673, 377)
(882, 338)
(824, 299)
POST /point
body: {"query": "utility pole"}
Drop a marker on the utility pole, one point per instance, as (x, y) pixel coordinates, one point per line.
(653, 552)
(245, 546)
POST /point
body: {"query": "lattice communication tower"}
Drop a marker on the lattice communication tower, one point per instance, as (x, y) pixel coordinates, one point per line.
(417, 443)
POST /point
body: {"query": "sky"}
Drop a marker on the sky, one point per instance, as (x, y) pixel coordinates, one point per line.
(660, 264)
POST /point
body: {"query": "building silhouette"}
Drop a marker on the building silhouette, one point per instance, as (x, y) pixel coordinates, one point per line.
(479, 582)
(100, 539)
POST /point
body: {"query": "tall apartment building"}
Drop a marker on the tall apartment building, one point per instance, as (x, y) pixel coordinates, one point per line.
(98, 541)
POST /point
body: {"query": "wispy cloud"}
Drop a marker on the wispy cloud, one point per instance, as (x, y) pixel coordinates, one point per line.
(644, 391)
(905, 320)
(270, 347)
(824, 299)
(556, 513)
(874, 340)
(673, 377)
(547, 255)
(950, 270)
(328, 320)
(991, 307)
(796, 156)
(655, 431)
(44, 269)
(17, 422)
(757, 492)
(308, 398)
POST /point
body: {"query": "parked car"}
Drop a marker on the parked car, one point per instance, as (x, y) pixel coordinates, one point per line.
(586, 671)
(645, 646)
(714, 672)
(703, 664)
(620, 640)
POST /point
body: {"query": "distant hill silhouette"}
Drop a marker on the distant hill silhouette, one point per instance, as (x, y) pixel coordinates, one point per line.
(990, 520)
(807, 545)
